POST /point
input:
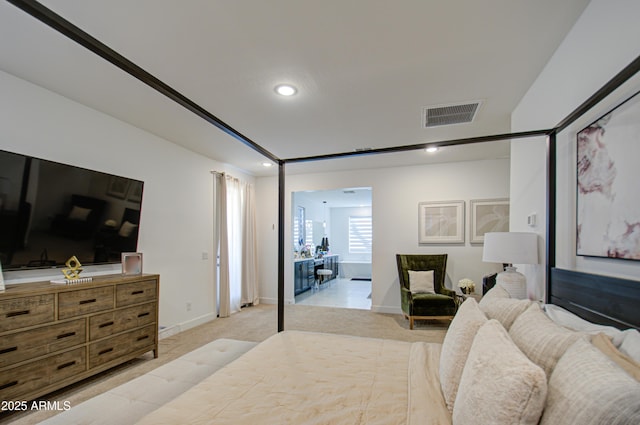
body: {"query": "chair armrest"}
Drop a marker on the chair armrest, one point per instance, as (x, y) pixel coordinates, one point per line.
(448, 292)
(406, 300)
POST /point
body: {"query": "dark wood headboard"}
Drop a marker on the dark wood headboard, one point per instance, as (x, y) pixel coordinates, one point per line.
(599, 299)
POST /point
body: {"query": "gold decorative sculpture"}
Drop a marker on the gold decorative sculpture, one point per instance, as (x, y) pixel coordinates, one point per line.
(74, 270)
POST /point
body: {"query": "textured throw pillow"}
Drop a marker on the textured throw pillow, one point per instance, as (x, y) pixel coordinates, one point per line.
(588, 388)
(455, 347)
(421, 282)
(126, 229)
(79, 213)
(496, 292)
(504, 310)
(543, 341)
(499, 384)
(604, 344)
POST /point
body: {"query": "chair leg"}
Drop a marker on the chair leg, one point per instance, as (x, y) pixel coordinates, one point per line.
(411, 322)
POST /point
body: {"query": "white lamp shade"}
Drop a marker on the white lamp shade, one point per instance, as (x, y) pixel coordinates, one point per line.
(510, 247)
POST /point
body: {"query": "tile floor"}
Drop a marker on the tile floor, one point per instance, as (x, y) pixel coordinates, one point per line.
(343, 293)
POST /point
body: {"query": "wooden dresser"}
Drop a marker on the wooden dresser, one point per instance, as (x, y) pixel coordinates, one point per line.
(54, 335)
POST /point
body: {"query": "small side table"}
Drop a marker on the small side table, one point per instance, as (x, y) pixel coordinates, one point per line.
(477, 297)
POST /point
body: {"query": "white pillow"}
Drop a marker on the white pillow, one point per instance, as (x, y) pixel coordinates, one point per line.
(543, 341)
(627, 341)
(126, 229)
(631, 344)
(499, 384)
(421, 282)
(504, 310)
(455, 347)
(588, 388)
(569, 320)
(79, 213)
(496, 292)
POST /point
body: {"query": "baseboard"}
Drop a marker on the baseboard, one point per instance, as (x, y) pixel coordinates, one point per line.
(180, 327)
(275, 301)
(385, 309)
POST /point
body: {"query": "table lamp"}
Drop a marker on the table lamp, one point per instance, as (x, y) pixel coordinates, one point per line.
(509, 248)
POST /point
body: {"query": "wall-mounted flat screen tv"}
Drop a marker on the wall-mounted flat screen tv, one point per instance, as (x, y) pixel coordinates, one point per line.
(51, 211)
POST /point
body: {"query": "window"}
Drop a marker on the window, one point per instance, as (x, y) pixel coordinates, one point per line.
(308, 231)
(360, 234)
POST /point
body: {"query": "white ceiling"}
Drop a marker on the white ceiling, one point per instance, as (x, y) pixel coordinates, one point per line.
(364, 70)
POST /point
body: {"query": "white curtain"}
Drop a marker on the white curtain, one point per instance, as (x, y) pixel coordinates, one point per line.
(249, 248)
(234, 237)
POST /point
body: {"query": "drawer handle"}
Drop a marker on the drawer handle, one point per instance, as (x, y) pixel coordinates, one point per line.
(137, 292)
(8, 350)
(104, 325)
(10, 384)
(143, 314)
(18, 313)
(108, 350)
(92, 300)
(67, 335)
(65, 365)
(140, 338)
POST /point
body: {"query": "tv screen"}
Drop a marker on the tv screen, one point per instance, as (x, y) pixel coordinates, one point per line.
(51, 211)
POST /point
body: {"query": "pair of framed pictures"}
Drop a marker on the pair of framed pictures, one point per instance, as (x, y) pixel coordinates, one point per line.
(131, 263)
(443, 222)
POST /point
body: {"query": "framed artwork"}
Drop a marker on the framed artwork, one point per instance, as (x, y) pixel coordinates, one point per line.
(135, 191)
(488, 215)
(608, 206)
(118, 187)
(441, 222)
(131, 263)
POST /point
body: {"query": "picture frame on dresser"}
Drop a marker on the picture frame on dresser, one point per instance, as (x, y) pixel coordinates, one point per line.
(131, 263)
(441, 222)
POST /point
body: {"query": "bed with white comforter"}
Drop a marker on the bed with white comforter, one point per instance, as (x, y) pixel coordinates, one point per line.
(301, 377)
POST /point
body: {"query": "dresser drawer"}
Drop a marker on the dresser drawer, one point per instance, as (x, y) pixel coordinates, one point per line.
(18, 313)
(26, 345)
(109, 349)
(38, 374)
(83, 301)
(113, 322)
(135, 293)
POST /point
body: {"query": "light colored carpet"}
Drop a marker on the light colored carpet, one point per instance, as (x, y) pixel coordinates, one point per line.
(251, 324)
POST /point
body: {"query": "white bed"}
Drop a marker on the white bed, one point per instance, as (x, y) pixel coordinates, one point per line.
(320, 379)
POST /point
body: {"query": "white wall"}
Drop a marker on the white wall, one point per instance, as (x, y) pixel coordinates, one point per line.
(176, 222)
(396, 193)
(602, 42)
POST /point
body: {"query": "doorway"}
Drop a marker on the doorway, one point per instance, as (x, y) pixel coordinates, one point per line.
(332, 230)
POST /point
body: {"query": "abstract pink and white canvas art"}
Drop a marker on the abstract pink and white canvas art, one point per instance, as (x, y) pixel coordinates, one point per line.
(608, 200)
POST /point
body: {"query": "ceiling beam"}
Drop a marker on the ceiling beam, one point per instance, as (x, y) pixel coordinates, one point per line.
(419, 146)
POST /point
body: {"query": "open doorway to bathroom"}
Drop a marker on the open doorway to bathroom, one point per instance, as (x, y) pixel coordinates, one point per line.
(332, 240)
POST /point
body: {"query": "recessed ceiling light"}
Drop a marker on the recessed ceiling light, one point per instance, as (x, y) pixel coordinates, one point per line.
(432, 149)
(267, 164)
(286, 90)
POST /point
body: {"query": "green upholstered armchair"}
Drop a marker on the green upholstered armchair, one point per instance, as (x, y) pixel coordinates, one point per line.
(441, 305)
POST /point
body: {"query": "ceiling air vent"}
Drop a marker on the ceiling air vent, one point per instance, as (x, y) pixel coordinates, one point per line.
(450, 114)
